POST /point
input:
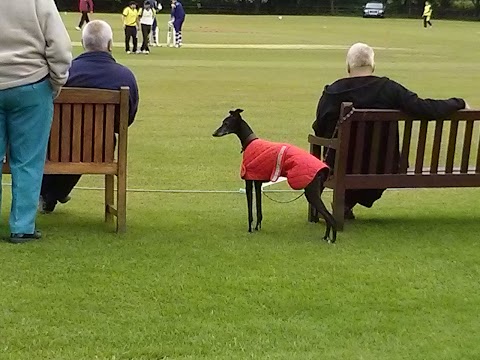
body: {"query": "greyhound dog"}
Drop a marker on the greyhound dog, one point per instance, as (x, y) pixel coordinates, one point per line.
(266, 161)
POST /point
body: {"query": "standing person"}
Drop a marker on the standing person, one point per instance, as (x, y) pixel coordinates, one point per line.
(85, 7)
(35, 53)
(177, 19)
(154, 34)
(147, 16)
(427, 14)
(95, 68)
(367, 91)
(130, 25)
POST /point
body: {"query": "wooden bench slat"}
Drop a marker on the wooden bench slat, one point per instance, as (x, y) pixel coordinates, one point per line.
(88, 96)
(422, 140)
(99, 133)
(109, 148)
(467, 144)
(437, 141)
(359, 148)
(77, 132)
(374, 115)
(54, 142)
(452, 142)
(320, 141)
(81, 168)
(87, 133)
(407, 136)
(478, 154)
(381, 115)
(374, 153)
(378, 181)
(66, 131)
(392, 147)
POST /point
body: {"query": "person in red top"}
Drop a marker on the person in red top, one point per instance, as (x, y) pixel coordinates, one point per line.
(85, 7)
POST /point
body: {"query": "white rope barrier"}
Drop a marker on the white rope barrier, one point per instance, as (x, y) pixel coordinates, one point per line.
(177, 191)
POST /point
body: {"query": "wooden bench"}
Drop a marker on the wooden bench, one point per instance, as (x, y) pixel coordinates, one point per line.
(433, 153)
(82, 141)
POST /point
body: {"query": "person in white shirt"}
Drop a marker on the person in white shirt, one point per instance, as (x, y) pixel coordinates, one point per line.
(154, 35)
(35, 56)
(147, 16)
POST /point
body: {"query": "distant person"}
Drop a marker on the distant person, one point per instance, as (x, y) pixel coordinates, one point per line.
(367, 91)
(130, 25)
(155, 5)
(147, 16)
(177, 19)
(427, 14)
(85, 7)
(35, 53)
(95, 68)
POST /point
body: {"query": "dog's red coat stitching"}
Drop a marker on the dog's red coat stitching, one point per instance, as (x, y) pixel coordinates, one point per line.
(297, 165)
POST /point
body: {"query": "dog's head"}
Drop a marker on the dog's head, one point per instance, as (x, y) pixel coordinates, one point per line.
(231, 124)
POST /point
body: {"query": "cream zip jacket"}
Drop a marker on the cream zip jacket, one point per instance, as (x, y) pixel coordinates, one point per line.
(34, 44)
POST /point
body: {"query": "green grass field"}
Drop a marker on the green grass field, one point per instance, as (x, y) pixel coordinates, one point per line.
(188, 282)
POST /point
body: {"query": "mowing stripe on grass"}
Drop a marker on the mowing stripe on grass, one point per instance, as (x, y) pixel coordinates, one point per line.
(263, 46)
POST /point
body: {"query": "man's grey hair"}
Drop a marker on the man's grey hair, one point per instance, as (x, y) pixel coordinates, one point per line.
(97, 35)
(360, 55)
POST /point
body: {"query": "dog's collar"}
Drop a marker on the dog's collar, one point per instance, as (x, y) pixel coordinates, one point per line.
(248, 140)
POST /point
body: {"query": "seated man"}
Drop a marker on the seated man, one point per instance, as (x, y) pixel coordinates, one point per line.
(365, 90)
(95, 68)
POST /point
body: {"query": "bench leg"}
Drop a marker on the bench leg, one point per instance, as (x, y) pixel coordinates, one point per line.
(122, 203)
(109, 197)
(339, 207)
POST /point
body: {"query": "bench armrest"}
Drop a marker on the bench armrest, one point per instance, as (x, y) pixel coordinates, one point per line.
(327, 142)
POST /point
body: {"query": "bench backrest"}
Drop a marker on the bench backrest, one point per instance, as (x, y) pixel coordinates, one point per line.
(82, 137)
(447, 149)
(83, 125)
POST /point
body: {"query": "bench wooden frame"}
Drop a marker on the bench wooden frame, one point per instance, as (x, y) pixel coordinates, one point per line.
(455, 171)
(82, 141)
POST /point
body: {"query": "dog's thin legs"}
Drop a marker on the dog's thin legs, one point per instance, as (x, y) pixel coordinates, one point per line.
(313, 194)
(249, 192)
(258, 203)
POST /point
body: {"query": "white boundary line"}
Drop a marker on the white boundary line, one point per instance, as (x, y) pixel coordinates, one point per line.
(263, 46)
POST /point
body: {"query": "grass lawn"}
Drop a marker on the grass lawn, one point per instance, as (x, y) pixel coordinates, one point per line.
(188, 282)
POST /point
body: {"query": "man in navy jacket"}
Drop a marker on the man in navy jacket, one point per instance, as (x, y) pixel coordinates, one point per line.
(95, 68)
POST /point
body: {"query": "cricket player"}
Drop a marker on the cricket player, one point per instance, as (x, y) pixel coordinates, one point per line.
(130, 25)
(146, 15)
(427, 14)
(155, 5)
(177, 19)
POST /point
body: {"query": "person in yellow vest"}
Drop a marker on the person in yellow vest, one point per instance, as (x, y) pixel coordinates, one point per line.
(427, 14)
(130, 25)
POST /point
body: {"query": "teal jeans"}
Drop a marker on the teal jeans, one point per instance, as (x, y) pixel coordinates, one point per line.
(26, 114)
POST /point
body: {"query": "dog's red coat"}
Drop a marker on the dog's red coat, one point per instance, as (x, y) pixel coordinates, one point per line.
(266, 160)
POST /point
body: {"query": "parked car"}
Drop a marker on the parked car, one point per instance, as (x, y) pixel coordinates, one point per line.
(374, 9)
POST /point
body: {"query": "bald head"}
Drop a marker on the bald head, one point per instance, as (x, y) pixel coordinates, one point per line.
(97, 35)
(360, 60)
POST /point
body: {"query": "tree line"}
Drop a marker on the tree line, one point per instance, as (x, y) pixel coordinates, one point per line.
(409, 8)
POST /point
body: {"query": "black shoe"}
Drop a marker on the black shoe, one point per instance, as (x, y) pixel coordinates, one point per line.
(48, 206)
(65, 199)
(23, 238)
(348, 214)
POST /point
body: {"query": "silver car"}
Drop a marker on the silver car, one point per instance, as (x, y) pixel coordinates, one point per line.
(374, 9)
